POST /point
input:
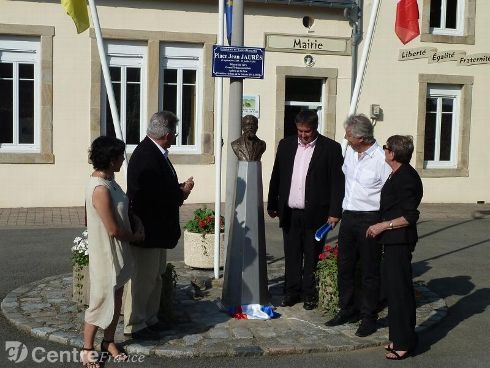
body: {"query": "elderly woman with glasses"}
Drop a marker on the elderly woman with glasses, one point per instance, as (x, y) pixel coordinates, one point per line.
(397, 232)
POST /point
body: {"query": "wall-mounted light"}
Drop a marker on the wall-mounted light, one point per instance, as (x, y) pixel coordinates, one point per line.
(309, 60)
(308, 21)
(376, 113)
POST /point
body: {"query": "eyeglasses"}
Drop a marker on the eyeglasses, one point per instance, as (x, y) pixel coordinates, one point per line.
(385, 147)
(175, 133)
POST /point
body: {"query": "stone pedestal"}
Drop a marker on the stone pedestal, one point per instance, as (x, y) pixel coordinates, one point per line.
(245, 277)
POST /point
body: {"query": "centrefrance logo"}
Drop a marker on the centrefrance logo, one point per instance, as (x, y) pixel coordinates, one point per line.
(18, 352)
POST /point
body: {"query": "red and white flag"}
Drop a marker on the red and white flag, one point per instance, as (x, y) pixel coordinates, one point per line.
(407, 20)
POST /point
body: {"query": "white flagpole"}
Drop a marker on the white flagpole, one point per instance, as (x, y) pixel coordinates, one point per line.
(361, 71)
(217, 150)
(107, 78)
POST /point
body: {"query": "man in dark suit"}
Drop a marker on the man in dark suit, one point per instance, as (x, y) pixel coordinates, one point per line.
(306, 190)
(155, 196)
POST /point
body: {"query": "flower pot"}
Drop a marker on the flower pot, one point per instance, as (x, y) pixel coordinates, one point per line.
(81, 285)
(199, 250)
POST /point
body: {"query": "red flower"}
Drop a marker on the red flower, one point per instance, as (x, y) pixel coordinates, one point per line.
(202, 224)
(322, 256)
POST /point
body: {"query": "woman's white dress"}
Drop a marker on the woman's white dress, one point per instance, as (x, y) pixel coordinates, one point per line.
(109, 258)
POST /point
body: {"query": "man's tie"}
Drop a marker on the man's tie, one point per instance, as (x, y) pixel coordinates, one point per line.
(171, 166)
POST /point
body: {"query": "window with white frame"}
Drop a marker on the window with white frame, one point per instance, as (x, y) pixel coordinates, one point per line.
(19, 91)
(447, 17)
(180, 92)
(127, 65)
(441, 126)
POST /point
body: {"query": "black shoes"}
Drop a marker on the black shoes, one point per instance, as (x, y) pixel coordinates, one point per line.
(145, 334)
(289, 300)
(310, 303)
(159, 326)
(366, 328)
(342, 318)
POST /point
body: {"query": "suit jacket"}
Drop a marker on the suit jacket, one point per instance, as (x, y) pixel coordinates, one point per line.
(154, 195)
(325, 181)
(401, 196)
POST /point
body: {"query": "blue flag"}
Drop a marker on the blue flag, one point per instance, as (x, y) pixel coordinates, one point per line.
(229, 16)
(322, 231)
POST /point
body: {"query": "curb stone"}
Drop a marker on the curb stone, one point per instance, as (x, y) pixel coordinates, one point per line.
(45, 309)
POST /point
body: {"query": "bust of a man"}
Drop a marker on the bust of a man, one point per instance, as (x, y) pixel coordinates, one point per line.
(249, 147)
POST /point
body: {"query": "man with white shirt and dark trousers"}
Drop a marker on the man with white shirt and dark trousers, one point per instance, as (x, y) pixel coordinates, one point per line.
(365, 173)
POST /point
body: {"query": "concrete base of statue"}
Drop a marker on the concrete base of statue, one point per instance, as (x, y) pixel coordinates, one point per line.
(245, 277)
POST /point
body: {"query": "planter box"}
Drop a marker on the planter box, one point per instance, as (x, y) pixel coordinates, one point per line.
(81, 285)
(199, 250)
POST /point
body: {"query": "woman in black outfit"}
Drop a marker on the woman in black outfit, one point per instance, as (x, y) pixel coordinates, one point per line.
(397, 232)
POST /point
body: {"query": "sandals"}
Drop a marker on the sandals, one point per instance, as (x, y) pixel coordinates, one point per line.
(389, 347)
(121, 356)
(396, 356)
(89, 364)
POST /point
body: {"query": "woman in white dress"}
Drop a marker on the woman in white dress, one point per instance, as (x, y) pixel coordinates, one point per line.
(109, 234)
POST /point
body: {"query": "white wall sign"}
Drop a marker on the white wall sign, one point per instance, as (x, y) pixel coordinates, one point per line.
(307, 44)
(416, 53)
(474, 59)
(251, 105)
(443, 56)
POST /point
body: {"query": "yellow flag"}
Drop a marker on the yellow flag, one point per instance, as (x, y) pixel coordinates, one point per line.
(77, 9)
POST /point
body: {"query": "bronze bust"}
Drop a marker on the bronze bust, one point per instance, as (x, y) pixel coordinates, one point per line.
(249, 147)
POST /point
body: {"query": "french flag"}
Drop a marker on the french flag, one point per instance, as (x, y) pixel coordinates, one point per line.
(407, 20)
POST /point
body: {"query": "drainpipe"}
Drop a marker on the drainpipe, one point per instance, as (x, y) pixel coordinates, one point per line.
(355, 19)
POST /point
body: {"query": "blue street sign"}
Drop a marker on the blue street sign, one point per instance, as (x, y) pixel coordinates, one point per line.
(238, 62)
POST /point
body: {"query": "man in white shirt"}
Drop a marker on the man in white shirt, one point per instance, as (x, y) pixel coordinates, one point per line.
(365, 173)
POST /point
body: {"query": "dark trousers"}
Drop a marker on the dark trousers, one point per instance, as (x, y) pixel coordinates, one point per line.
(354, 246)
(397, 277)
(300, 247)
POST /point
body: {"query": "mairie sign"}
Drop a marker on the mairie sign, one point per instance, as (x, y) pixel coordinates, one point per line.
(238, 62)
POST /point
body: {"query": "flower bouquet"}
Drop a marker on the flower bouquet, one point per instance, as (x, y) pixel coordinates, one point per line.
(80, 259)
(203, 222)
(79, 252)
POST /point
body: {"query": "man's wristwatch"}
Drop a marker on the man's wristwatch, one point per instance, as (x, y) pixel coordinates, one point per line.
(391, 225)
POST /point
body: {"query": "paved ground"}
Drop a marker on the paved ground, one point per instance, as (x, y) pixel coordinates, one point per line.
(451, 259)
(63, 217)
(45, 310)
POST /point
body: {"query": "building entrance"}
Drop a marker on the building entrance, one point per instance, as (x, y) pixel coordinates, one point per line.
(302, 94)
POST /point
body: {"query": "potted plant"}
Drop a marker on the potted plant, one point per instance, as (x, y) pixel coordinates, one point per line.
(81, 277)
(199, 239)
(326, 273)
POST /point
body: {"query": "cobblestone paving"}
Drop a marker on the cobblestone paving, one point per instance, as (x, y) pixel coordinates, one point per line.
(45, 310)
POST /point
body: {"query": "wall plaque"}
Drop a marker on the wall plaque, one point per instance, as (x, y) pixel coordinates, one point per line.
(443, 56)
(416, 53)
(474, 59)
(308, 44)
